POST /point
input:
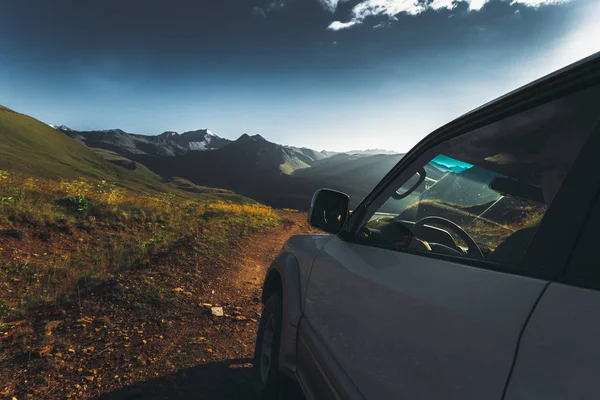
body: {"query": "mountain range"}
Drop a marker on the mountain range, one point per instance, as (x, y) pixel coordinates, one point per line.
(165, 144)
(275, 174)
(174, 144)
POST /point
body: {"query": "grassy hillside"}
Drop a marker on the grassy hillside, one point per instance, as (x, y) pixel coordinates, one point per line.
(125, 162)
(35, 149)
(56, 236)
(32, 147)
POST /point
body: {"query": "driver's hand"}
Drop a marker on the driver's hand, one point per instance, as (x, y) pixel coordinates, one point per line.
(414, 243)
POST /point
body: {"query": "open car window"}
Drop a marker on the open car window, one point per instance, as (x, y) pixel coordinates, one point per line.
(483, 194)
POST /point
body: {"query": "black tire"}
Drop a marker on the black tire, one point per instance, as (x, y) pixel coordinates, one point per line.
(268, 385)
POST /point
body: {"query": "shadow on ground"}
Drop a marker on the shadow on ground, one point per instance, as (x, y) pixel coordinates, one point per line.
(230, 379)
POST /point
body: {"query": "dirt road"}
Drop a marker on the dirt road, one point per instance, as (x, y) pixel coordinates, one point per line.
(150, 333)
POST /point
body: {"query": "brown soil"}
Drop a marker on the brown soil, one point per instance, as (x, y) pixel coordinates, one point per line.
(149, 333)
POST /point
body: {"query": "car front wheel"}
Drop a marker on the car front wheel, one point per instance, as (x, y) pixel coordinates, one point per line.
(267, 377)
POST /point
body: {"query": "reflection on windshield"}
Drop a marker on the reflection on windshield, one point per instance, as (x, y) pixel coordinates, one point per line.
(448, 164)
(460, 192)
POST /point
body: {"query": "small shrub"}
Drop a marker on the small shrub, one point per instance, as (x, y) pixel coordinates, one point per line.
(123, 216)
(139, 216)
(11, 195)
(79, 203)
(7, 200)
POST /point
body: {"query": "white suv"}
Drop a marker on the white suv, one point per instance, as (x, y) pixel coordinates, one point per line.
(469, 272)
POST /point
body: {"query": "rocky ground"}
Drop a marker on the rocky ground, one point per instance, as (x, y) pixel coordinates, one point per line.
(127, 339)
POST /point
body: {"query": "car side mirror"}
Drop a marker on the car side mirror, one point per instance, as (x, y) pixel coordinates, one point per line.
(329, 210)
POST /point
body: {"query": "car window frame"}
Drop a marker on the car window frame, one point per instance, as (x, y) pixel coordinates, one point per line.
(541, 262)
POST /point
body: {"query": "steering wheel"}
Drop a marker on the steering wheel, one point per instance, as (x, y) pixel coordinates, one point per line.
(474, 249)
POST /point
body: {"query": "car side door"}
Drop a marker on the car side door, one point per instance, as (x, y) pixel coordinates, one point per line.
(403, 322)
(559, 353)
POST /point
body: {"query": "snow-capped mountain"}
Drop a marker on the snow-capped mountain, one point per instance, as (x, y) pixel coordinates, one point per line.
(200, 140)
(63, 128)
(166, 144)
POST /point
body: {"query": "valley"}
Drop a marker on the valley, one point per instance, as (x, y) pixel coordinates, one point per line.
(274, 174)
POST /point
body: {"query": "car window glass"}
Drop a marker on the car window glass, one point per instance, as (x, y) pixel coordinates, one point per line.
(482, 195)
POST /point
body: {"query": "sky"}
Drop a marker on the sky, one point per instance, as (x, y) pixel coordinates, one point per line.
(325, 74)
